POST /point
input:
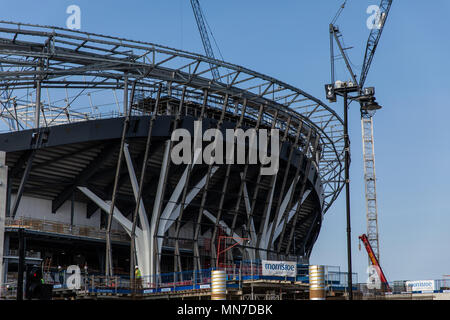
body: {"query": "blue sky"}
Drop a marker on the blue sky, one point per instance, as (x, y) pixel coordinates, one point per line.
(289, 41)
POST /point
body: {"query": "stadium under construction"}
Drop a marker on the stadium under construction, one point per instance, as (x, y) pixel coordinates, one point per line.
(86, 175)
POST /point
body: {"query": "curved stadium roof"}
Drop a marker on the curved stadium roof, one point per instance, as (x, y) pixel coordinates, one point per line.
(88, 69)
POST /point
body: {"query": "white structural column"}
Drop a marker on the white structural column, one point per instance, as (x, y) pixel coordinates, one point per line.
(192, 194)
(279, 227)
(173, 209)
(105, 205)
(263, 242)
(157, 206)
(143, 252)
(124, 222)
(284, 204)
(248, 209)
(3, 195)
(141, 242)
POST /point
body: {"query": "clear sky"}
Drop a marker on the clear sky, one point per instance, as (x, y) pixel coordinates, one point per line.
(289, 40)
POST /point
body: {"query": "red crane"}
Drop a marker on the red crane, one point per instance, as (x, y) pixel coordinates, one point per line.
(374, 261)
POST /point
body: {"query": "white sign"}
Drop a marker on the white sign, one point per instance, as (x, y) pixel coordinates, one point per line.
(279, 268)
(420, 285)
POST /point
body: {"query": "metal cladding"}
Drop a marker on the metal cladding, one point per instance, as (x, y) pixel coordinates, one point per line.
(85, 113)
(317, 283)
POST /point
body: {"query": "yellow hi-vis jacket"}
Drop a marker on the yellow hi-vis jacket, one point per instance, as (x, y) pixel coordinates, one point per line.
(137, 273)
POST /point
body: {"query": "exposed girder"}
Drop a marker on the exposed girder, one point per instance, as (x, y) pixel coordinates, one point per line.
(374, 38)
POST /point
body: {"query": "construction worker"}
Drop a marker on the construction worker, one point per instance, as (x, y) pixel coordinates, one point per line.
(61, 275)
(138, 278)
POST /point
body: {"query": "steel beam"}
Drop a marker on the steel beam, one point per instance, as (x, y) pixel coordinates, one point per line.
(268, 203)
(282, 202)
(108, 266)
(142, 214)
(84, 176)
(23, 182)
(302, 191)
(105, 206)
(197, 262)
(227, 173)
(38, 101)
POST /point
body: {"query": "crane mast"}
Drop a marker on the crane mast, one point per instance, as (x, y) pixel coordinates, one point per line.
(204, 35)
(370, 184)
(367, 132)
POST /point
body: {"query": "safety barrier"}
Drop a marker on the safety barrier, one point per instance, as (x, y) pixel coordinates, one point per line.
(181, 281)
(63, 228)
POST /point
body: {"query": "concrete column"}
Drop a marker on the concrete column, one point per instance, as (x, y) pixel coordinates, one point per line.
(3, 197)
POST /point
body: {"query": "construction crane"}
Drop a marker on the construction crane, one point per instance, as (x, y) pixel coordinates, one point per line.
(367, 131)
(368, 105)
(375, 262)
(199, 18)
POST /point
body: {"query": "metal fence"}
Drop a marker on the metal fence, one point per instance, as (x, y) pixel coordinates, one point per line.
(237, 274)
(63, 228)
(200, 279)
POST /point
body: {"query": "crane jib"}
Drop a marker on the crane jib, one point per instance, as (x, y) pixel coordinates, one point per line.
(374, 39)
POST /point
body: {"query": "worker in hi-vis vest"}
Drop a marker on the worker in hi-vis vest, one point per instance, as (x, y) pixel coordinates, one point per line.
(138, 278)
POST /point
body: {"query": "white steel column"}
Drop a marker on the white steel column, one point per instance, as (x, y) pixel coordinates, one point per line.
(284, 205)
(141, 243)
(105, 205)
(279, 227)
(157, 206)
(248, 209)
(166, 224)
(143, 251)
(172, 209)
